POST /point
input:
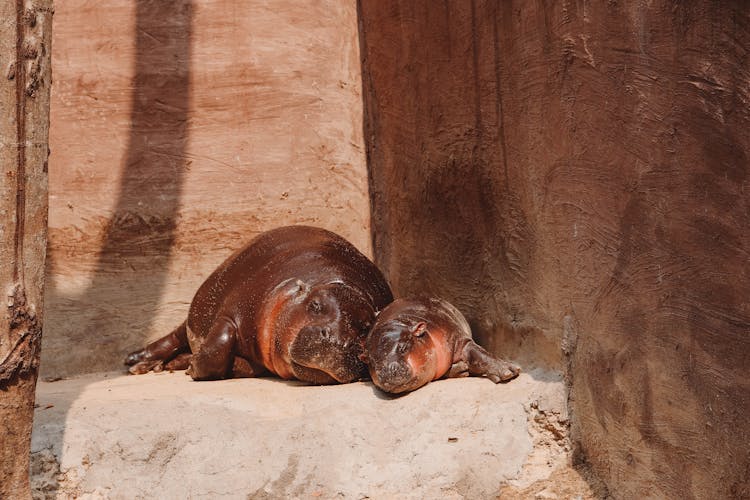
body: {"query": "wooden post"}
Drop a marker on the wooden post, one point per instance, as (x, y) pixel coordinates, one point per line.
(25, 76)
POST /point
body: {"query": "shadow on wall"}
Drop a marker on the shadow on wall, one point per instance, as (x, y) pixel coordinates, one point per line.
(132, 265)
(133, 262)
(448, 217)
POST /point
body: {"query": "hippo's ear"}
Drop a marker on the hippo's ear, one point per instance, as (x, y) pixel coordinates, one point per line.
(419, 329)
(363, 357)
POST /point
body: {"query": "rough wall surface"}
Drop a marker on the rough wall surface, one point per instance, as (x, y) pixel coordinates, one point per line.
(179, 131)
(574, 176)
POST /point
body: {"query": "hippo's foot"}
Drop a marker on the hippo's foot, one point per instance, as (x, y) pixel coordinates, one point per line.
(458, 369)
(170, 352)
(504, 372)
(483, 364)
(242, 368)
(179, 362)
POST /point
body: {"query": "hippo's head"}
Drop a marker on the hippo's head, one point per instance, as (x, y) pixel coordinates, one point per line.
(400, 353)
(326, 326)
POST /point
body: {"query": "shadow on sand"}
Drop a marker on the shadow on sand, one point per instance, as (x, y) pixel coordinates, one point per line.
(142, 227)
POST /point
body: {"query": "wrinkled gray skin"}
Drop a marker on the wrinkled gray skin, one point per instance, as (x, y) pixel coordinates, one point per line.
(414, 341)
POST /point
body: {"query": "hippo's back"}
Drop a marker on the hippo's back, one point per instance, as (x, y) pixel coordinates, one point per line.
(240, 285)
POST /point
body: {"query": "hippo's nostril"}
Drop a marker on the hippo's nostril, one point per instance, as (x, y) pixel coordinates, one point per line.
(394, 377)
(397, 372)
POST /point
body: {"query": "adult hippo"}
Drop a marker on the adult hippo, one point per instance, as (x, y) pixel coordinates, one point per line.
(296, 302)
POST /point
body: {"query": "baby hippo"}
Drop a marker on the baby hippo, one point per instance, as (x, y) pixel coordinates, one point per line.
(414, 341)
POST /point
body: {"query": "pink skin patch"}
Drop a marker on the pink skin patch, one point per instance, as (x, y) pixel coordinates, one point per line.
(433, 356)
(443, 354)
(268, 329)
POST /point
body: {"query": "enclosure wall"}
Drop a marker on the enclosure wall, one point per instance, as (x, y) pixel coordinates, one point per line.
(574, 176)
(179, 131)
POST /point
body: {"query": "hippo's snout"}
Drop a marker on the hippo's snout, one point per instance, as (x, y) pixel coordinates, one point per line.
(394, 377)
(330, 349)
(398, 372)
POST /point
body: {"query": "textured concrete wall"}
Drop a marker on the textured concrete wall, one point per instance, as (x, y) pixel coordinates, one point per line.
(574, 176)
(179, 131)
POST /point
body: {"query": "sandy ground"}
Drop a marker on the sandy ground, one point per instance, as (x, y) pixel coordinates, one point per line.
(165, 436)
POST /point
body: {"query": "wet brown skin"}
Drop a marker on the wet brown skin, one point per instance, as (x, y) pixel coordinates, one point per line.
(296, 301)
(415, 341)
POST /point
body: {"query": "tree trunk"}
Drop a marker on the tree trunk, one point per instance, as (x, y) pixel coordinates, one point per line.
(25, 29)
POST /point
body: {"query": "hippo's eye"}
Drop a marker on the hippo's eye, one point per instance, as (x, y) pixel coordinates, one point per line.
(365, 327)
(325, 332)
(315, 307)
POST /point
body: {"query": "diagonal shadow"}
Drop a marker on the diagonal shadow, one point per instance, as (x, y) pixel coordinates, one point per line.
(132, 266)
(131, 271)
(140, 234)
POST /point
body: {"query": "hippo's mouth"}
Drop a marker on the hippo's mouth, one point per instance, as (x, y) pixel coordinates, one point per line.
(313, 375)
(320, 375)
(326, 362)
(395, 377)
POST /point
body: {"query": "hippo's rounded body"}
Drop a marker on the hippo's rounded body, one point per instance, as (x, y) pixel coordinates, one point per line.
(414, 341)
(296, 302)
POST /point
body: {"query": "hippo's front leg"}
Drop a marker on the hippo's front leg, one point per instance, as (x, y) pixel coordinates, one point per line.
(167, 352)
(482, 363)
(215, 357)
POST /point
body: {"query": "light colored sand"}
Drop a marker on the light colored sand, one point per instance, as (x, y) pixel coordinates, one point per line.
(165, 436)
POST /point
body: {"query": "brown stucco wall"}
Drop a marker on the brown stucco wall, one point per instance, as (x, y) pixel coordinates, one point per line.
(574, 176)
(179, 131)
